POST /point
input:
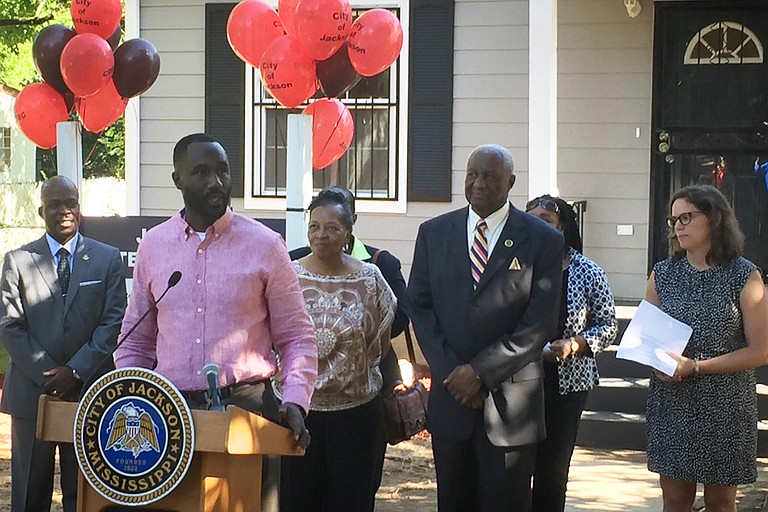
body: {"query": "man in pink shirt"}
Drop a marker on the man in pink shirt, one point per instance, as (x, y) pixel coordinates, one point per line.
(238, 303)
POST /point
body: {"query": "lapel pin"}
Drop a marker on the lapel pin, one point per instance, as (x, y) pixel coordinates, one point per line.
(515, 265)
(508, 243)
(86, 257)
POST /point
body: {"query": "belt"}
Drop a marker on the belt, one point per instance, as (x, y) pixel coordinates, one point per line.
(203, 396)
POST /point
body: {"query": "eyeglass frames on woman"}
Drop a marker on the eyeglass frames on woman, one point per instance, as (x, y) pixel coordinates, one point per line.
(685, 218)
(545, 203)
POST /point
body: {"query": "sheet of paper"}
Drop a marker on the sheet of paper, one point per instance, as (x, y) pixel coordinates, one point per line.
(651, 335)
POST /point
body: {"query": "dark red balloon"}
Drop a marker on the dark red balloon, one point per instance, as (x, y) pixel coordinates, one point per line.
(336, 74)
(137, 65)
(46, 52)
(114, 39)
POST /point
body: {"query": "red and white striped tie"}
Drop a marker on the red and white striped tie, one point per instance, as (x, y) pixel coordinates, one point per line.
(478, 255)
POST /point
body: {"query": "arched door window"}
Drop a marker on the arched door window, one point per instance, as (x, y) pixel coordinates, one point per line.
(724, 42)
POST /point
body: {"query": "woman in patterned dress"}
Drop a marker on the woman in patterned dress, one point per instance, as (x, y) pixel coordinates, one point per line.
(702, 421)
(587, 326)
(352, 309)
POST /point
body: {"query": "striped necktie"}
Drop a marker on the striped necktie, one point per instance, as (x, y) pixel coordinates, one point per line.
(478, 255)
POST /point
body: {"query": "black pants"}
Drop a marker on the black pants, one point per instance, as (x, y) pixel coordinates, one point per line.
(338, 471)
(553, 455)
(256, 398)
(473, 475)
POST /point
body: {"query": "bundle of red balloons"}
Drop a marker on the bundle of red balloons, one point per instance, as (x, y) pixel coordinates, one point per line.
(314, 44)
(85, 69)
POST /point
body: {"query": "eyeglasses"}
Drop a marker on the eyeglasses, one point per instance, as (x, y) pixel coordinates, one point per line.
(545, 203)
(684, 218)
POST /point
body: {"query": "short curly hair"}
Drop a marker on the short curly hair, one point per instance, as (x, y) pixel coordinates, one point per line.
(726, 236)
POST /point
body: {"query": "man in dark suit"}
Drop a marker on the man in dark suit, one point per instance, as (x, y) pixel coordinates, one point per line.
(63, 298)
(485, 292)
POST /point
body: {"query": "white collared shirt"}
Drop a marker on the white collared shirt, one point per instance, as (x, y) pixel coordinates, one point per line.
(495, 223)
(70, 246)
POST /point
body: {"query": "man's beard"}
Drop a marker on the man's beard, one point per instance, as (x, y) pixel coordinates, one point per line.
(204, 205)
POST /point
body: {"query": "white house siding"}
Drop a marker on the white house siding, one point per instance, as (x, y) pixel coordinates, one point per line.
(22, 150)
(604, 94)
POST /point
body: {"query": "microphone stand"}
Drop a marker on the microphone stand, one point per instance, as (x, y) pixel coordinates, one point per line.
(172, 281)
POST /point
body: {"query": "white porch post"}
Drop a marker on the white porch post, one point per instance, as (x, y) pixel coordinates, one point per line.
(69, 151)
(298, 181)
(542, 97)
(132, 125)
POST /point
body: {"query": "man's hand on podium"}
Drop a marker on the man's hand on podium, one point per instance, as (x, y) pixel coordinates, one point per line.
(292, 417)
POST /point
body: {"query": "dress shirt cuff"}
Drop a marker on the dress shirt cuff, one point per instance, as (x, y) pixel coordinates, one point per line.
(298, 396)
(134, 361)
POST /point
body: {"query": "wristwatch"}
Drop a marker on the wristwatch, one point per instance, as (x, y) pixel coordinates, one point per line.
(574, 345)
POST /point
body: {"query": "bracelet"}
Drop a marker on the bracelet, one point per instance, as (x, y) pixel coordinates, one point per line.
(696, 367)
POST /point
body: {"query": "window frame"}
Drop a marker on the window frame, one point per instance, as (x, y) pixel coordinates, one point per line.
(398, 175)
(6, 133)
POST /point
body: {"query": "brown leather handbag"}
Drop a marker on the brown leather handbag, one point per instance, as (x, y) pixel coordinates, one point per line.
(405, 414)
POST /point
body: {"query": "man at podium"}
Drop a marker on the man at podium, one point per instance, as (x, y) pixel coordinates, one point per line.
(237, 304)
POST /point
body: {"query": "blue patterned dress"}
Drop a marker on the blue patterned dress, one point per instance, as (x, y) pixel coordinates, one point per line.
(704, 429)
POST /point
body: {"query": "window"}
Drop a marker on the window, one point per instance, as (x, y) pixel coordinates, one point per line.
(373, 167)
(5, 149)
(724, 42)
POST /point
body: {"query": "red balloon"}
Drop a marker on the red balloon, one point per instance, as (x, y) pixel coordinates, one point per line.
(102, 109)
(46, 52)
(336, 74)
(87, 64)
(323, 25)
(288, 72)
(287, 11)
(251, 27)
(38, 108)
(100, 17)
(375, 41)
(332, 130)
(137, 65)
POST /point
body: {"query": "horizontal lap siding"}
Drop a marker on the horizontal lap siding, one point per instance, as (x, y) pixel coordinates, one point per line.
(604, 95)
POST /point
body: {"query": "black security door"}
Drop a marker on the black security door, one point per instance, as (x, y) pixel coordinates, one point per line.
(710, 112)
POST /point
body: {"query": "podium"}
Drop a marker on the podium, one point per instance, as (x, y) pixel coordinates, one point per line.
(225, 474)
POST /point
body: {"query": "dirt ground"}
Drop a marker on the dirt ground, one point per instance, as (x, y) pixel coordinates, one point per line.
(601, 480)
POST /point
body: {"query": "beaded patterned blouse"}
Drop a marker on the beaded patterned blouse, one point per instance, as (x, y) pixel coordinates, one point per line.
(352, 316)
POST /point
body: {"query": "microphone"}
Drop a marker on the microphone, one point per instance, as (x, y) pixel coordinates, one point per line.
(172, 281)
(211, 371)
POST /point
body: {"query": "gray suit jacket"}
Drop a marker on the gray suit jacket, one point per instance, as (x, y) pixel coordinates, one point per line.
(499, 328)
(41, 330)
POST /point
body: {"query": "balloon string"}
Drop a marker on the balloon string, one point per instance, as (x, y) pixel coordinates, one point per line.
(95, 143)
(335, 126)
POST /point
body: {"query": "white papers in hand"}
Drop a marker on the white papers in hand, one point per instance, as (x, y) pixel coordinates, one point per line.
(650, 335)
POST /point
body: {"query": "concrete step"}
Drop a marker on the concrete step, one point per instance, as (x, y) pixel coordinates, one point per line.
(612, 430)
(609, 366)
(619, 394)
(625, 431)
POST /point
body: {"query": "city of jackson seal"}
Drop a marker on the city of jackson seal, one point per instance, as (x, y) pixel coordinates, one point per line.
(134, 436)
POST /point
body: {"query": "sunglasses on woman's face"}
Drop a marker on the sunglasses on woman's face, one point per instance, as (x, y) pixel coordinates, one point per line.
(545, 203)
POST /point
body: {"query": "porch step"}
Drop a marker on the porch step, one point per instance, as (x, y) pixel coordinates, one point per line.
(612, 430)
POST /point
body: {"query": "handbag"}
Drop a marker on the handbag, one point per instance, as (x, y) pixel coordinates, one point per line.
(405, 414)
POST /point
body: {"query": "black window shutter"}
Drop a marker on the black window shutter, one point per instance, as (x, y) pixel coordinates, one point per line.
(225, 92)
(430, 110)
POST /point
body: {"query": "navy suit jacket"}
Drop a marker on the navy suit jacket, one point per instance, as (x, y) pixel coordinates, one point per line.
(500, 328)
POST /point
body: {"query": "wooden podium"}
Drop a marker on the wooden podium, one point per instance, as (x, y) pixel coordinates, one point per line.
(225, 474)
